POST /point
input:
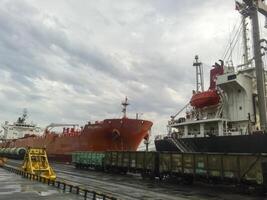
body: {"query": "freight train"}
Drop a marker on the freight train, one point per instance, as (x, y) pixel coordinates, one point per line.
(14, 153)
(248, 170)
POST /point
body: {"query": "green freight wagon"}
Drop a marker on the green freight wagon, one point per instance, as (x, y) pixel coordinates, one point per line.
(15, 153)
(18, 153)
(238, 168)
(88, 159)
(131, 161)
(144, 162)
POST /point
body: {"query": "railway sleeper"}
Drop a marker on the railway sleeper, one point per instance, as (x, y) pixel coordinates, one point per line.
(116, 170)
(148, 174)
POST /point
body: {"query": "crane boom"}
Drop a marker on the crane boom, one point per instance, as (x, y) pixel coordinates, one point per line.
(53, 125)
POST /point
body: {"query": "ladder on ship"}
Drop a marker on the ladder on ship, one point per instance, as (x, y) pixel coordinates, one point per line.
(182, 146)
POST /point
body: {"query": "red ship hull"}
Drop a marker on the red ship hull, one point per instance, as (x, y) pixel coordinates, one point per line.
(111, 134)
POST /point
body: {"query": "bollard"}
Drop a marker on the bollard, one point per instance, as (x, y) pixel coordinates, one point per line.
(77, 190)
(53, 183)
(85, 194)
(64, 187)
(45, 180)
(71, 186)
(94, 195)
(58, 184)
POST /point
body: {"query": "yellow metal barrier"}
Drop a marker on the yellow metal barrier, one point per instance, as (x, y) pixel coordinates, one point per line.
(36, 162)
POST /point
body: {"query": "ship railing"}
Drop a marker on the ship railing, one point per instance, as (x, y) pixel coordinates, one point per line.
(180, 111)
(210, 133)
(75, 133)
(193, 133)
(62, 134)
(160, 137)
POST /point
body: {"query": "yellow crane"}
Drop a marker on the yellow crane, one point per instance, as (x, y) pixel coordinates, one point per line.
(36, 162)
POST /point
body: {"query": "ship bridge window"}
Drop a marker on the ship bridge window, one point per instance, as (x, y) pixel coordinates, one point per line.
(231, 77)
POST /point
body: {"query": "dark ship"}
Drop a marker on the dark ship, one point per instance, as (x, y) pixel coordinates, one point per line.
(231, 115)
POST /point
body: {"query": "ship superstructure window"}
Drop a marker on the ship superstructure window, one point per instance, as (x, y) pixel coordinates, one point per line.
(231, 77)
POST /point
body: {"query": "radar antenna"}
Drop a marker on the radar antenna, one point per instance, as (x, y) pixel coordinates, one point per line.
(124, 107)
(24, 116)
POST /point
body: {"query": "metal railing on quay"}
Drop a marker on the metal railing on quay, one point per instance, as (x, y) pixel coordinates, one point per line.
(66, 187)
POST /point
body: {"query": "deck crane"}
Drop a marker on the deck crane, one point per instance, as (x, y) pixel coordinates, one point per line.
(53, 125)
(251, 9)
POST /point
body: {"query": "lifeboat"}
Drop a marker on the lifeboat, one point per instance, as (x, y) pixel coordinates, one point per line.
(206, 98)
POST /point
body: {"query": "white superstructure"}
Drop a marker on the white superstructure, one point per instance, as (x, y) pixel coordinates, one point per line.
(236, 113)
(19, 128)
(235, 103)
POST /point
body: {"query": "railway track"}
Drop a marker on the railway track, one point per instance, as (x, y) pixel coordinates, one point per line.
(131, 187)
(122, 191)
(95, 181)
(118, 187)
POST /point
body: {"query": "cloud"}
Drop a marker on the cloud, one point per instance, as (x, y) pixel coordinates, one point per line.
(74, 61)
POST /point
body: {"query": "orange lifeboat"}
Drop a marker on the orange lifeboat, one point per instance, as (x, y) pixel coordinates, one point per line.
(206, 98)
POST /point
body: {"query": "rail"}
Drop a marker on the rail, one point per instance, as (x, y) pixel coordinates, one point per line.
(66, 187)
(181, 110)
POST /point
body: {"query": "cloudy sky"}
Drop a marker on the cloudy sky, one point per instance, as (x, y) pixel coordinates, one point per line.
(76, 60)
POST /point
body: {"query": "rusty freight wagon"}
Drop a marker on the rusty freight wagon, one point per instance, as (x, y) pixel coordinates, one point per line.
(143, 162)
(236, 169)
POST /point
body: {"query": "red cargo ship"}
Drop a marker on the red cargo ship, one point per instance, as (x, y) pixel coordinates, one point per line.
(121, 134)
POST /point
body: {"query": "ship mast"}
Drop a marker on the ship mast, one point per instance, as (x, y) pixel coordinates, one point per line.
(241, 7)
(124, 107)
(245, 40)
(252, 8)
(199, 75)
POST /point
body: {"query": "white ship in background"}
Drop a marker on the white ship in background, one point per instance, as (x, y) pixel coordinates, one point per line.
(20, 128)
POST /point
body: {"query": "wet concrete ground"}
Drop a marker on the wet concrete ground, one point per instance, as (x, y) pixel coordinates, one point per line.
(15, 187)
(131, 186)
